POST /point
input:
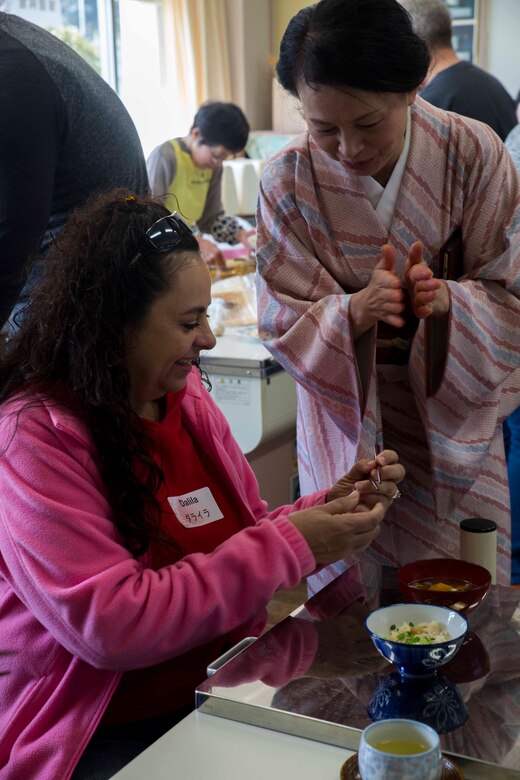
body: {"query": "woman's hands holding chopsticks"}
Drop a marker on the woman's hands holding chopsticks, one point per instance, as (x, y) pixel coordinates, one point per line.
(375, 480)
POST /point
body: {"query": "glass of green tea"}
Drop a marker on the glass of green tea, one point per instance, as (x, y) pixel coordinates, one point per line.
(399, 749)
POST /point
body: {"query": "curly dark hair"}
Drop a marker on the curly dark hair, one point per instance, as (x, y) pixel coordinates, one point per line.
(71, 344)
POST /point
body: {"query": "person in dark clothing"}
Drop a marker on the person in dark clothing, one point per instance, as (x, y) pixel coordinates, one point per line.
(454, 84)
(64, 135)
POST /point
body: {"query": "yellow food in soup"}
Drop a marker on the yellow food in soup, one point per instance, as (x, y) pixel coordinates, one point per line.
(446, 585)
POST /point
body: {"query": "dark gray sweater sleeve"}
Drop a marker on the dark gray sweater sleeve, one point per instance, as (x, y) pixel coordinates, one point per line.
(31, 122)
(64, 136)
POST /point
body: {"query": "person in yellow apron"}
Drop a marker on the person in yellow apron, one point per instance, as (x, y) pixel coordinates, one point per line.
(187, 172)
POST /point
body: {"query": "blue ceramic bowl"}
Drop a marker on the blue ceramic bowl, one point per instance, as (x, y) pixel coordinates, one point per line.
(416, 660)
(435, 701)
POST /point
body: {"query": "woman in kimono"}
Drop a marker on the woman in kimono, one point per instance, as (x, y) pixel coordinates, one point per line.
(352, 219)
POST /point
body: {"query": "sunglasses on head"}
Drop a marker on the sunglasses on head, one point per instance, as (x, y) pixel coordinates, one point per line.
(163, 236)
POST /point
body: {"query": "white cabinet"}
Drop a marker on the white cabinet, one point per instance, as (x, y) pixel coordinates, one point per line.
(258, 399)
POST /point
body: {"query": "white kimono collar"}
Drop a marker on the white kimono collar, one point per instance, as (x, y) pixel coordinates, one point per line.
(383, 199)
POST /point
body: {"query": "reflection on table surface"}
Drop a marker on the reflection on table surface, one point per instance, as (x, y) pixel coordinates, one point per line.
(321, 664)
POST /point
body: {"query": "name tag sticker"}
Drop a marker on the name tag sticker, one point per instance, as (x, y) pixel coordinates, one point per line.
(196, 508)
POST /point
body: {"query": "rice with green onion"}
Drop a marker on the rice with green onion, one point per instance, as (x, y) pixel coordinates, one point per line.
(418, 633)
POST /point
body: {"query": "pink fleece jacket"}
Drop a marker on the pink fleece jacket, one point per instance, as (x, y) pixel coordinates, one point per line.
(77, 610)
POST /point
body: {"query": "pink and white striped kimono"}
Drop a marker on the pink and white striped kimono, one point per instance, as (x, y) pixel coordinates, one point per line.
(319, 238)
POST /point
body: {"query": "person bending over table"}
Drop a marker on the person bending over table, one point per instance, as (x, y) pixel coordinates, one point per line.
(187, 173)
(135, 547)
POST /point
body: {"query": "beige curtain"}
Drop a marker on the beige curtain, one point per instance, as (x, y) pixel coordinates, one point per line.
(202, 64)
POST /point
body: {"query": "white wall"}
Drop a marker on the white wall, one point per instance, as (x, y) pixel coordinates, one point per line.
(501, 31)
(249, 23)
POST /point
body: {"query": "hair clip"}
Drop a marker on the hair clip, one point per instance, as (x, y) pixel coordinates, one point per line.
(130, 199)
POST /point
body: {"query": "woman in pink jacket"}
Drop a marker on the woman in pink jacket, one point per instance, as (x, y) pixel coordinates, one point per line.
(134, 545)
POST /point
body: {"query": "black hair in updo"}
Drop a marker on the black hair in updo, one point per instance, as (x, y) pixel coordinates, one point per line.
(368, 45)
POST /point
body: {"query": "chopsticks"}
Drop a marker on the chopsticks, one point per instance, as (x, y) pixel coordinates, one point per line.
(375, 485)
(377, 450)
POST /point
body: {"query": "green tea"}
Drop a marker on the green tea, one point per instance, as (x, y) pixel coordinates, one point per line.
(400, 747)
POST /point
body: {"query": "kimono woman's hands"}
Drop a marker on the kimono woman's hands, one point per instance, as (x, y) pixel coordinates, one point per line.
(382, 298)
(429, 296)
(349, 521)
(364, 477)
